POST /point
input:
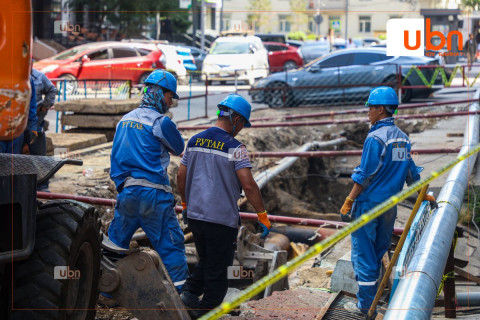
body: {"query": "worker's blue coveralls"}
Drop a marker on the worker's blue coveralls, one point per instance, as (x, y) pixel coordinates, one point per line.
(385, 167)
(15, 146)
(139, 164)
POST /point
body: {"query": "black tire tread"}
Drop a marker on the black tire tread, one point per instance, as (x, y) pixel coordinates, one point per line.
(57, 224)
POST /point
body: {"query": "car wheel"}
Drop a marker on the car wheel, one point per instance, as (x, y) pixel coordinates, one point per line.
(143, 77)
(70, 84)
(392, 82)
(289, 65)
(277, 96)
(68, 235)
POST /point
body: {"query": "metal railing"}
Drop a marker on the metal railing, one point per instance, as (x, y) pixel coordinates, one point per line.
(92, 89)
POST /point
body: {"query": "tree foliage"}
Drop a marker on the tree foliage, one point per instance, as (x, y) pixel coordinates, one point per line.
(262, 16)
(471, 4)
(299, 18)
(131, 17)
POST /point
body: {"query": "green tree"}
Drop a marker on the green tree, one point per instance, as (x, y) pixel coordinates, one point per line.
(262, 16)
(130, 17)
(471, 4)
(299, 18)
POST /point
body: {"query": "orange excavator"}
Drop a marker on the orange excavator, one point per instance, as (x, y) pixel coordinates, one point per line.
(51, 261)
(41, 243)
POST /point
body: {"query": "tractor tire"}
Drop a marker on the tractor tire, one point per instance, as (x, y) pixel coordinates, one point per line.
(67, 234)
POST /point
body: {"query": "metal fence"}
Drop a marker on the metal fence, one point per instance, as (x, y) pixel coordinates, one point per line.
(92, 89)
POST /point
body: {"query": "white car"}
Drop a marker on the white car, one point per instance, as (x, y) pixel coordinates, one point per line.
(172, 62)
(243, 57)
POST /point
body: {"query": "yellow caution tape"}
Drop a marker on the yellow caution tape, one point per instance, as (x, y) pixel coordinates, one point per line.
(440, 70)
(353, 226)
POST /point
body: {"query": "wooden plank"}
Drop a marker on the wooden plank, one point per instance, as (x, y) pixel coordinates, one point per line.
(327, 306)
(464, 274)
(98, 106)
(91, 121)
(449, 288)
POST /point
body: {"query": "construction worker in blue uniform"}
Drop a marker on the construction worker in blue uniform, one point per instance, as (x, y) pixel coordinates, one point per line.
(385, 166)
(214, 169)
(139, 161)
(30, 134)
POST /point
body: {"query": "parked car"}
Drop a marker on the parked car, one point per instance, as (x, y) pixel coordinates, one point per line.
(343, 76)
(282, 57)
(272, 37)
(103, 60)
(198, 55)
(312, 50)
(295, 43)
(186, 57)
(173, 63)
(241, 57)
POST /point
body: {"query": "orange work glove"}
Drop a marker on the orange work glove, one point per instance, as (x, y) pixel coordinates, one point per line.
(264, 223)
(429, 198)
(184, 213)
(347, 206)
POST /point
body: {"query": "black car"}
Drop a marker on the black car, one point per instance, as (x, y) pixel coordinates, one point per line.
(344, 76)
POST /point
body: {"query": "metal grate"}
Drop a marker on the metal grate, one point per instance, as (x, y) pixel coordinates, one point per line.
(336, 311)
(44, 167)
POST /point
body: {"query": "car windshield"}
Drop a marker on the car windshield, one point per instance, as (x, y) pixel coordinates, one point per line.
(72, 52)
(230, 48)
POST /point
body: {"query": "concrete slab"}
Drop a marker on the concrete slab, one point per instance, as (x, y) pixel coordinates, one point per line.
(74, 141)
(343, 277)
(91, 121)
(98, 106)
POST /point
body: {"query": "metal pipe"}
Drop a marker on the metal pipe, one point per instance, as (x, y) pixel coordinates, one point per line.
(340, 153)
(468, 299)
(178, 209)
(415, 295)
(360, 110)
(277, 242)
(338, 121)
(265, 176)
(304, 234)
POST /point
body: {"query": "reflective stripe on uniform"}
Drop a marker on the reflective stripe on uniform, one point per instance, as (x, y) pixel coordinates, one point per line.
(145, 183)
(179, 283)
(366, 283)
(205, 150)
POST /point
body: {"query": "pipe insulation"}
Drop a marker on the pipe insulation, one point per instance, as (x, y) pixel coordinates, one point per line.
(416, 293)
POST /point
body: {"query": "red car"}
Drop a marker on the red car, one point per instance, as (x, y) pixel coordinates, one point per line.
(282, 56)
(104, 60)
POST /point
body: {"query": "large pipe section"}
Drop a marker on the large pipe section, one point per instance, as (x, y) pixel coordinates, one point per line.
(338, 121)
(360, 110)
(265, 176)
(339, 153)
(415, 295)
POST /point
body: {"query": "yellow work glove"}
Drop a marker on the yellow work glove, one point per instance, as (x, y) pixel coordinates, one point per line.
(346, 209)
(264, 223)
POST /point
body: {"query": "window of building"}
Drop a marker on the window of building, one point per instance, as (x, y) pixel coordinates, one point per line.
(284, 23)
(365, 24)
(226, 21)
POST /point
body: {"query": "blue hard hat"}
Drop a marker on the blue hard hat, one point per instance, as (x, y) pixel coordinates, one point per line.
(163, 79)
(382, 96)
(238, 104)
